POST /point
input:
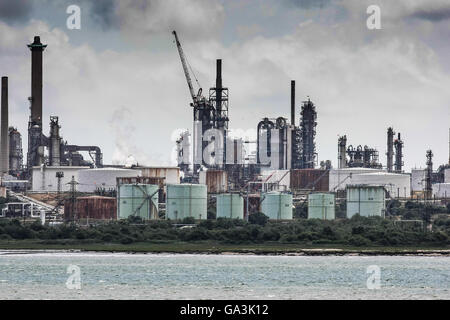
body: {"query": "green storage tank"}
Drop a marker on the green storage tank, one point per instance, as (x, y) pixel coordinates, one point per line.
(277, 205)
(137, 199)
(230, 205)
(321, 206)
(186, 200)
(365, 200)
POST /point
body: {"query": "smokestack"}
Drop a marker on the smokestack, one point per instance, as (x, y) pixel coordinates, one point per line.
(4, 130)
(36, 79)
(390, 149)
(219, 86)
(293, 102)
(219, 74)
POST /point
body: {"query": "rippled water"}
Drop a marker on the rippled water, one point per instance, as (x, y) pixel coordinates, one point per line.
(165, 276)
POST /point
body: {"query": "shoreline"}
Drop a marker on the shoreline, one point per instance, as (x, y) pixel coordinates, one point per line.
(264, 249)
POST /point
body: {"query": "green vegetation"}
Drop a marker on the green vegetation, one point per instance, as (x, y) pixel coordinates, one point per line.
(355, 232)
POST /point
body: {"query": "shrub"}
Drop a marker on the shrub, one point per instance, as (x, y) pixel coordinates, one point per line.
(126, 240)
(359, 241)
(258, 218)
(188, 220)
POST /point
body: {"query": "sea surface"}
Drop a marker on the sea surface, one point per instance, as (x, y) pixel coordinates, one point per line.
(44, 275)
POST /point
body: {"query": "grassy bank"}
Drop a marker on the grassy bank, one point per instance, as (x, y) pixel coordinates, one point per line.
(259, 236)
(212, 247)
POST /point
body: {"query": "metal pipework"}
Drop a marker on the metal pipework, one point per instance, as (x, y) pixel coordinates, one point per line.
(4, 135)
(268, 126)
(398, 144)
(342, 143)
(98, 153)
(428, 187)
(54, 142)
(293, 102)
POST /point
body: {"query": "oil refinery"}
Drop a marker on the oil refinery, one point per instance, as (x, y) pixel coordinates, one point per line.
(216, 175)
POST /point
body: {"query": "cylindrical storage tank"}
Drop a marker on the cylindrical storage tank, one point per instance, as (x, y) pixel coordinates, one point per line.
(366, 201)
(230, 205)
(321, 206)
(447, 175)
(277, 205)
(186, 200)
(340, 178)
(398, 185)
(417, 179)
(441, 190)
(139, 200)
(103, 178)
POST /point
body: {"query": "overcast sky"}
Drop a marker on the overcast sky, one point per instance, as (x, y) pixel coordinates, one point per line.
(118, 82)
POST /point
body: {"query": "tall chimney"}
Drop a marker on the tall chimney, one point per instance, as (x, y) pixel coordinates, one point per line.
(4, 130)
(219, 85)
(390, 149)
(36, 79)
(293, 102)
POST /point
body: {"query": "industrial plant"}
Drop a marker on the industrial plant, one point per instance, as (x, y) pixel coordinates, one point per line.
(216, 176)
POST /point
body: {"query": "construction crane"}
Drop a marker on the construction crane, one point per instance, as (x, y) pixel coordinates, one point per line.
(184, 63)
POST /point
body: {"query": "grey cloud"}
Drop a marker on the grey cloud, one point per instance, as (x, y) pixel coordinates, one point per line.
(16, 10)
(434, 15)
(308, 4)
(104, 13)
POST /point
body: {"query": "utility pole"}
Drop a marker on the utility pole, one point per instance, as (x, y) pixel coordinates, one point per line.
(72, 184)
(59, 176)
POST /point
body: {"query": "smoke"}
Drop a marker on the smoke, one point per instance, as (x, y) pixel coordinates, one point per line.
(125, 151)
(15, 11)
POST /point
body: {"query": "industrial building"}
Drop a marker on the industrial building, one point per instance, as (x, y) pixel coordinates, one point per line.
(279, 175)
(93, 208)
(54, 178)
(90, 180)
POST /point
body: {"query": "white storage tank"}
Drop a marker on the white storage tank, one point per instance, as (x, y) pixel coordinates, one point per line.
(441, 190)
(340, 178)
(398, 185)
(44, 177)
(417, 179)
(102, 178)
(365, 201)
(447, 175)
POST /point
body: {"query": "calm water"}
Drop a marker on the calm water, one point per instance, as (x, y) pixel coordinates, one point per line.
(164, 276)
